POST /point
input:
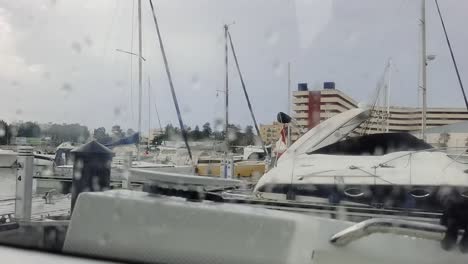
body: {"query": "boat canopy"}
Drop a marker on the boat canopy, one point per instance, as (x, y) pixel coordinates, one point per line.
(328, 132)
(374, 145)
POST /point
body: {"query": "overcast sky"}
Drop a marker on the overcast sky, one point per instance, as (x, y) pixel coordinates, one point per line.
(58, 61)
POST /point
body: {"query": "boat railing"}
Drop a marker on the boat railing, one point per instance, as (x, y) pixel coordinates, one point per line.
(390, 226)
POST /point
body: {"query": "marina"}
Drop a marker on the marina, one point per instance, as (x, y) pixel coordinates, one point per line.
(331, 180)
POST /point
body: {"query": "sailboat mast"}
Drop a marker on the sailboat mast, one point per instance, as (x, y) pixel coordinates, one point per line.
(226, 136)
(140, 69)
(288, 143)
(387, 95)
(423, 69)
(149, 112)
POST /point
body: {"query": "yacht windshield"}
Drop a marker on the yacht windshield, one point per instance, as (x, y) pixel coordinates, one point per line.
(374, 144)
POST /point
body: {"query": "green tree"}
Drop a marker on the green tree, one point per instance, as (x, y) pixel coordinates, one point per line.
(130, 132)
(67, 132)
(101, 136)
(117, 132)
(248, 138)
(196, 134)
(29, 129)
(5, 134)
(206, 130)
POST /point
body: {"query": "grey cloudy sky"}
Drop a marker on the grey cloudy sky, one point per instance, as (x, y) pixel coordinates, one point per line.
(59, 64)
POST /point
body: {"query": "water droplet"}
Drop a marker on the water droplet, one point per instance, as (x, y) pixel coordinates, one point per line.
(19, 111)
(116, 215)
(195, 83)
(88, 41)
(218, 124)
(2, 132)
(66, 87)
(186, 109)
(117, 111)
(119, 83)
(96, 186)
(277, 68)
(232, 135)
(77, 175)
(76, 47)
(272, 37)
(15, 83)
(104, 240)
(46, 75)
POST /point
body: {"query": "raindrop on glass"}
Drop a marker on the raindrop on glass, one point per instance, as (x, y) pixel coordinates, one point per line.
(195, 83)
(76, 47)
(186, 109)
(277, 68)
(117, 111)
(88, 41)
(77, 175)
(272, 37)
(66, 87)
(19, 111)
(46, 75)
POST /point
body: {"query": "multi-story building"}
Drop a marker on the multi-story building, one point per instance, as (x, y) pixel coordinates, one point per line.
(313, 107)
(270, 133)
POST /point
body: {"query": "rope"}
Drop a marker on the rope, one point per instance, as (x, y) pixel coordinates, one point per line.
(168, 72)
(247, 96)
(451, 54)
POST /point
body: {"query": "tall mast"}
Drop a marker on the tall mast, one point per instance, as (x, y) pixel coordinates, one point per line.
(423, 69)
(288, 143)
(140, 69)
(387, 95)
(226, 91)
(149, 112)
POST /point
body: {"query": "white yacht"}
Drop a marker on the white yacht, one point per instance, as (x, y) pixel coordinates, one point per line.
(389, 169)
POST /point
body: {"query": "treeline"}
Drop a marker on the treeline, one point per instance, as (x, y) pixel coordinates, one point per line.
(57, 133)
(236, 135)
(101, 135)
(53, 134)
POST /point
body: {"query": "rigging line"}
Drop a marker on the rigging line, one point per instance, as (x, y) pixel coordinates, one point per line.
(168, 72)
(247, 95)
(451, 54)
(157, 114)
(131, 60)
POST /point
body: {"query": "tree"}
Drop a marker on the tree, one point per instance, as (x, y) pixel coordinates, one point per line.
(206, 131)
(67, 132)
(196, 134)
(249, 136)
(130, 132)
(117, 132)
(101, 136)
(234, 135)
(29, 129)
(5, 133)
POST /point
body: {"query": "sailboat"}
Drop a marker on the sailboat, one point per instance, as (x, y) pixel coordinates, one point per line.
(231, 165)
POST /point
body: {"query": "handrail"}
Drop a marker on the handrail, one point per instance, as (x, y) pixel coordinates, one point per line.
(391, 226)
